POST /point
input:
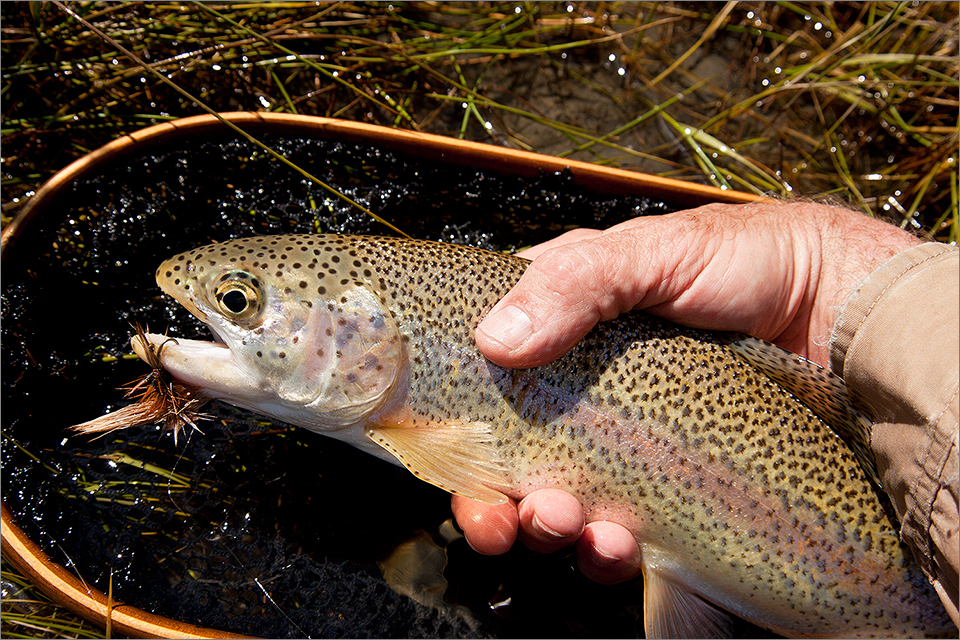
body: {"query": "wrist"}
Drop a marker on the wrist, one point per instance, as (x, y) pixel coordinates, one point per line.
(852, 246)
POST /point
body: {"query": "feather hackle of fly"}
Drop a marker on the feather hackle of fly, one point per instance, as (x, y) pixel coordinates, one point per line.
(158, 398)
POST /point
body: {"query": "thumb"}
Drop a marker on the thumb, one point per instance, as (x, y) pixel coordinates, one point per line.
(563, 293)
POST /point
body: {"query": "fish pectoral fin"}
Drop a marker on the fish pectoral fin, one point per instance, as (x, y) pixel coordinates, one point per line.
(670, 611)
(459, 458)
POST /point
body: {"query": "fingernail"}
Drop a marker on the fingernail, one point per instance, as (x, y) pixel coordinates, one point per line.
(545, 530)
(604, 559)
(510, 326)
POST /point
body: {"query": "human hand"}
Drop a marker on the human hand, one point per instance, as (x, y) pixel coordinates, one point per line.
(546, 521)
(777, 271)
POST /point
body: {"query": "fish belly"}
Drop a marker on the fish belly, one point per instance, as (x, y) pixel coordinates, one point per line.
(782, 530)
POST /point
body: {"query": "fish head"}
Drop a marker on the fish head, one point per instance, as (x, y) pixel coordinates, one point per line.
(301, 333)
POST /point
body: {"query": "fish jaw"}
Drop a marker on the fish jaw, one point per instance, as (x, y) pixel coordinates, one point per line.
(212, 369)
(208, 366)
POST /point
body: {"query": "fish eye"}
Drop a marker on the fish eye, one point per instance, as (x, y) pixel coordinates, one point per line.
(238, 296)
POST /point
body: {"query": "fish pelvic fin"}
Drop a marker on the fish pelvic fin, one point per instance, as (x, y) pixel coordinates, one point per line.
(670, 611)
(821, 391)
(459, 458)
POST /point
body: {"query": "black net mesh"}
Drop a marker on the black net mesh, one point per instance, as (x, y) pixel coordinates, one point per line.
(252, 526)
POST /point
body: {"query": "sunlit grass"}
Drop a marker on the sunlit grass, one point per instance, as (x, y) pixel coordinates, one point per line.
(857, 100)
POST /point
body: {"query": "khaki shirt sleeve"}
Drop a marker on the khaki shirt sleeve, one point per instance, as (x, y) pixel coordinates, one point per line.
(895, 342)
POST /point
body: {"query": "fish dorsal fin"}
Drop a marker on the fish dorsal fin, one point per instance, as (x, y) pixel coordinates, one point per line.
(670, 611)
(459, 458)
(821, 391)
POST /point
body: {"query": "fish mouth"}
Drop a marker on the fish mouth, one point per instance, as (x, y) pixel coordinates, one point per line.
(209, 366)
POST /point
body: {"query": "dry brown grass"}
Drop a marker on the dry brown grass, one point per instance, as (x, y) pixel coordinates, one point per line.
(854, 100)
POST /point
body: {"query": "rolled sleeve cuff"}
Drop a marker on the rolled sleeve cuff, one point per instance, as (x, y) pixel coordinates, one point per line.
(895, 342)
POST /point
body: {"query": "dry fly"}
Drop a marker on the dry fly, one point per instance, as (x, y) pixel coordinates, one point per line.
(159, 398)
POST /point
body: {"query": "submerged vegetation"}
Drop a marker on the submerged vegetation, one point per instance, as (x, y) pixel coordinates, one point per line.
(854, 101)
(27, 613)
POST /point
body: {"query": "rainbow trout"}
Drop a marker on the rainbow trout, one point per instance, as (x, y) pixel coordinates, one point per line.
(742, 499)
